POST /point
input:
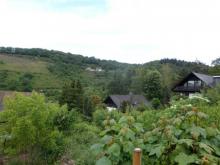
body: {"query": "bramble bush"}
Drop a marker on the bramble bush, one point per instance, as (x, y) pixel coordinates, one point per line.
(181, 134)
(118, 141)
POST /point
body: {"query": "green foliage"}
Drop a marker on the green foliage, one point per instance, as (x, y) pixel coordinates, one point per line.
(118, 140)
(183, 138)
(180, 134)
(73, 96)
(153, 85)
(28, 128)
(118, 85)
(213, 95)
(65, 120)
(155, 103)
(99, 116)
(83, 135)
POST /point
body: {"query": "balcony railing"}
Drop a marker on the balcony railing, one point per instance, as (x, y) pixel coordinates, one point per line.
(188, 89)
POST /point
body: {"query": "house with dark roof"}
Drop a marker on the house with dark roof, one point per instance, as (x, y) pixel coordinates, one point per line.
(116, 101)
(195, 82)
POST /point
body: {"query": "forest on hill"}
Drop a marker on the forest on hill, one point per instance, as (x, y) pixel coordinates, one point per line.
(47, 71)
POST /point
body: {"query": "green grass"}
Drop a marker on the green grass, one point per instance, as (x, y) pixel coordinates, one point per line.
(21, 64)
(18, 65)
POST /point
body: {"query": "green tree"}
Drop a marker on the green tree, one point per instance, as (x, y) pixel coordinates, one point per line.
(153, 85)
(72, 95)
(27, 127)
(118, 85)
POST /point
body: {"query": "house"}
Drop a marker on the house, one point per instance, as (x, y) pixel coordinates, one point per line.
(116, 101)
(195, 82)
(4, 94)
(94, 70)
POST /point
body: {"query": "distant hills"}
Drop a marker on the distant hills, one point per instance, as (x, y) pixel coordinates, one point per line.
(40, 69)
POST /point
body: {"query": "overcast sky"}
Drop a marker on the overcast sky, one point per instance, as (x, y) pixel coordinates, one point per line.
(133, 31)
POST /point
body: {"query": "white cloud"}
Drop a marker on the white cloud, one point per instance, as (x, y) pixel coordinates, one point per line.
(134, 31)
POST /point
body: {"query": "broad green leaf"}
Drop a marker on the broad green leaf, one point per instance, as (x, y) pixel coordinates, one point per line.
(157, 151)
(217, 150)
(103, 161)
(138, 127)
(128, 147)
(211, 131)
(114, 149)
(197, 131)
(123, 119)
(206, 147)
(130, 134)
(97, 148)
(188, 142)
(106, 139)
(183, 159)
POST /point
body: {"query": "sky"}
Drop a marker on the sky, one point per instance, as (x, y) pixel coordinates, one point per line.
(132, 31)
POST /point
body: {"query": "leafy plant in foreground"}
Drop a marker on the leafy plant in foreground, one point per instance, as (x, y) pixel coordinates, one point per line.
(183, 139)
(180, 134)
(118, 141)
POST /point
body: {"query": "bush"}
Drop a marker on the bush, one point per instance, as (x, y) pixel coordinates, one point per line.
(142, 108)
(65, 120)
(99, 116)
(82, 137)
(156, 103)
(28, 128)
(213, 95)
(180, 134)
(118, 141)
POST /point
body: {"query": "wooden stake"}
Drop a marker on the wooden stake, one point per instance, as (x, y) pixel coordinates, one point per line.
(137, 156)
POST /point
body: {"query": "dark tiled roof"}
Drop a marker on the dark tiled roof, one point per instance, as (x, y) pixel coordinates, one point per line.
(135, 100)
(208, 80)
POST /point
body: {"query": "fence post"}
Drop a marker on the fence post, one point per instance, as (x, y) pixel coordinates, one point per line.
(137, 156)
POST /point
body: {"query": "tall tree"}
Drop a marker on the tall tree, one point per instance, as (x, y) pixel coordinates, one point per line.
(72, 95)
(153, 85)
(118, 85)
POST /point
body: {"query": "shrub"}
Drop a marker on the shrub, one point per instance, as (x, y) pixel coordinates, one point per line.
(180, 134)
(82, 137)
(183, 139)
(28, 128)
(118, 141)
(155, 103)
(142, 108)
(65, 120)
(213, 95)
(99, 116)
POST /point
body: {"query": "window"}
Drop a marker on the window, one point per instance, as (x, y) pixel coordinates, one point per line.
(191, 83)
(198, 83)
